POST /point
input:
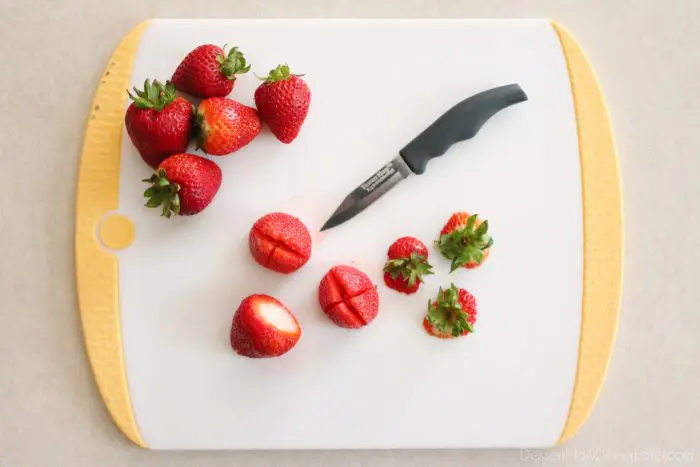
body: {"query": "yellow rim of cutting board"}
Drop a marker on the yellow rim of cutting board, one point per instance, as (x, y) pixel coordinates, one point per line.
(602, 234)
(97, 228)
(96, 268)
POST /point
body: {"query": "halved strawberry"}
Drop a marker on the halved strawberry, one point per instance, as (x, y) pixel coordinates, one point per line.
(280, 242)
(407, 264)
(263, 327)
(348, 297)
(465, 240)
(453, 313)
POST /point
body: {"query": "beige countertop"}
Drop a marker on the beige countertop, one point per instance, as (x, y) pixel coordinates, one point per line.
(648, 61)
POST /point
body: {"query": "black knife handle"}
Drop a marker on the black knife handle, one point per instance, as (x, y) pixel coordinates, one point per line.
(460, 123)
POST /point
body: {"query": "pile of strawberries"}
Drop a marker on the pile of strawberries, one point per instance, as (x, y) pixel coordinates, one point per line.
(162, 124)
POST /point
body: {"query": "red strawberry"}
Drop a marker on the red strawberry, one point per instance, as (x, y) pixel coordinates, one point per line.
(209, 71)
(184, 184)
(280, 242)
(408, 263)
(225, 126)
(263, 327)
(158, 122)
(465, 240)
(453, 314)
(283, 101)
(348, 297)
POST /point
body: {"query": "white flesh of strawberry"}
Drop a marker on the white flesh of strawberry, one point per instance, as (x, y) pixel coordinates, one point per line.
(277, 317)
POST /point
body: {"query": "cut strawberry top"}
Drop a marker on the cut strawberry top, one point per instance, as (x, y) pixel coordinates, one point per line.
(407, 264)
(465, 240)
(452, 314)
(411, 269)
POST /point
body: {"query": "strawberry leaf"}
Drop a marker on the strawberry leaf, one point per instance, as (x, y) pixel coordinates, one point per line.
(155, 95)
(482, 229)
(278, 74)
(162, 193)
(470, 222)
(232, 63)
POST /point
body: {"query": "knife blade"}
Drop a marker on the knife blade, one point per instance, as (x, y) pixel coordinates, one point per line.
(461, 122)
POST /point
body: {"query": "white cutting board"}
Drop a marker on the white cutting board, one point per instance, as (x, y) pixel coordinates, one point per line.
(375, 85)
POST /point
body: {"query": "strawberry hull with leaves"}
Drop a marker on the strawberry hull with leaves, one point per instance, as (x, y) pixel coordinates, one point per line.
(465, 240)
(158, 122)
(407, 264)
(209, 71)
(184, 184)
(452, 314)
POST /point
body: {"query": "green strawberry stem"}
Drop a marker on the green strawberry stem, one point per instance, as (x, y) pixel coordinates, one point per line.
(410, 269)
(153, 96)
(162, 193)
(446, 314)
(232, 63)
(465, 245)
(277, 74)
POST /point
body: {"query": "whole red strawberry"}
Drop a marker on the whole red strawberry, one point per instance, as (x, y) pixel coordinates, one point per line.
(348, 297)
(280, 242)
(184, 184)
(209, 71)
(465, 240)
(407, 264)
(453, 314)
(283, 101)
(263, 327)
(225, 125)
(158, 122)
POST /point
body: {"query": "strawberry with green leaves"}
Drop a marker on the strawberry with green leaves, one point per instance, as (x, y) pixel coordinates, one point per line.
(158, 122)
(407, 264)
(209, 71)
(184, 184)
(452, 314)
(283, 100)
(465, 240)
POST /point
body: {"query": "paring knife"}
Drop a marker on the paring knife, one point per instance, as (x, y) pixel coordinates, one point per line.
(461, 122)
